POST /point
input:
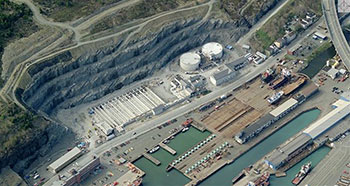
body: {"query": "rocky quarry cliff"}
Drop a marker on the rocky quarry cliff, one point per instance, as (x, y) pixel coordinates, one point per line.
(65, 81)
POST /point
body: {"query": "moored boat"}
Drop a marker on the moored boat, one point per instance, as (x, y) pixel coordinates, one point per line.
(304, 171)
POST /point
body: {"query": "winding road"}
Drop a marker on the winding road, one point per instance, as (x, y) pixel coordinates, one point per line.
(39, 18)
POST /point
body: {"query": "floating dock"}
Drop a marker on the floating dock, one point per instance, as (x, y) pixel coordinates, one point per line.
(151, 158)
(167, 148)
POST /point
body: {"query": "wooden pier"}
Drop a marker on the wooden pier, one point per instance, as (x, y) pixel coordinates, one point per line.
(151, 158)
(167, 148)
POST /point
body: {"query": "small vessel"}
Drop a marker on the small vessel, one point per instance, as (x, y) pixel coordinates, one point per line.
(275, 97)
(154, 149)
(267, 76)
(263, 180)
(304, 171)
(185, 129)
(136, 182)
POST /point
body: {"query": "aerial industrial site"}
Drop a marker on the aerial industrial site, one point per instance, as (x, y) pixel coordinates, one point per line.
(174, 92)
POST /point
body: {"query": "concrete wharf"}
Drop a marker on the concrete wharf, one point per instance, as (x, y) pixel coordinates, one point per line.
(151, 158)
(167, 148)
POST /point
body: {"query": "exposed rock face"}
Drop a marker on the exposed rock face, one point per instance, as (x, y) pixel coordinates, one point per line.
(64, 81)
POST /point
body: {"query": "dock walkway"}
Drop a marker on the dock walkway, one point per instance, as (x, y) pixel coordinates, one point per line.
(151, 158)
(167, 148)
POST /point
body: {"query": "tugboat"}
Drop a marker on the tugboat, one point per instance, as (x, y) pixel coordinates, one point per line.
(304, 171)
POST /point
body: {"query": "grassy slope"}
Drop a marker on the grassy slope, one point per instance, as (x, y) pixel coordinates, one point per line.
(232, 7)
(68, 10)
(15, 22)
(16, 127)
(145, 8)
(273, 29)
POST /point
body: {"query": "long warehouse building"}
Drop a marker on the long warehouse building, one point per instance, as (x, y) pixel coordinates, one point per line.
(64, 160)
(258, 126)
(342, 110)
(283, 154)
(287, 151)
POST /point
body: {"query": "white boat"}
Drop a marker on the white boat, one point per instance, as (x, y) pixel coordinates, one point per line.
(154, 149)
(275, 97)
(185, 129)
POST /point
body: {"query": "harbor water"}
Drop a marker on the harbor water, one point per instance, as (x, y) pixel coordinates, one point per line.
(157, 175)
(316, 64)
(225, 175)
(314, 158)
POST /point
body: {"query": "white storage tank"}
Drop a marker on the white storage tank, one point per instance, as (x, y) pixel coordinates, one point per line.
(190, 61)
(212, 50)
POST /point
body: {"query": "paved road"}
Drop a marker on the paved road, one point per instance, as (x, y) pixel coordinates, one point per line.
(335, 30)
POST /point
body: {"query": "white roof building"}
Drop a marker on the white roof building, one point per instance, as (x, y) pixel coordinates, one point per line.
(283, 107)
(64, 160)
(326, 122)
(333, 73)
(106, 129)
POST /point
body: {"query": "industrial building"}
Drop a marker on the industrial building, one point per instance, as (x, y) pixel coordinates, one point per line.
(212, 50)
(342, 109)
(64, 160)
(180, 87)
(258, 126)
(122, 110)
(228, 71)
(283, 154)
(254, 129)
(190, 61)
(293, 147)
(105, 128)
(77, 174)
(284, 108)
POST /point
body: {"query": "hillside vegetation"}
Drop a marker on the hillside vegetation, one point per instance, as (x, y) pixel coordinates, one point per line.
(69, 10)
(15, 22)
(17, 128)
(274, 27)
(143, 9)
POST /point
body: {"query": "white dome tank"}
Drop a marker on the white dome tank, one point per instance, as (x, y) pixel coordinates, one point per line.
(212, 50)
(190, 61)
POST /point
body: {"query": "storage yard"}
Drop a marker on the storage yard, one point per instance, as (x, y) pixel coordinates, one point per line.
(254, 94)
(231, 118)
